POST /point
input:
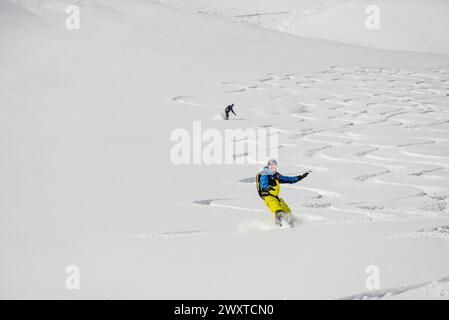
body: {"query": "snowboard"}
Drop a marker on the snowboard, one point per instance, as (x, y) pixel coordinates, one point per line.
(286, 221)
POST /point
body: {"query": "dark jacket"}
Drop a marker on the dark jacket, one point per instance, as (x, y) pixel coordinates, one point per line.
(229, 109)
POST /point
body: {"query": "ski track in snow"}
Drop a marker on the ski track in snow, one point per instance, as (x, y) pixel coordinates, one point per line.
(439, 288)
(248, 226)
(343, 119)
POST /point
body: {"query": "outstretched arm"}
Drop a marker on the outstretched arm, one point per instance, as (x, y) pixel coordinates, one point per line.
(292, 179)
(288, 179)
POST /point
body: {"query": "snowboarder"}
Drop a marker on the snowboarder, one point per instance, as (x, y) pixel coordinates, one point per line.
(228, 109)
(268, 186)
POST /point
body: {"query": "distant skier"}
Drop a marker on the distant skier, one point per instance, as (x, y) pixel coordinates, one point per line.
(268, 186)
(229, 109)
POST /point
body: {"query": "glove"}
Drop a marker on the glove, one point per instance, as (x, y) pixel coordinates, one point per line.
(267, 189)
(303, 175)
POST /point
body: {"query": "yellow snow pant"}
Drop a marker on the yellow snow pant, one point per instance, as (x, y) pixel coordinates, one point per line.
(276, 204)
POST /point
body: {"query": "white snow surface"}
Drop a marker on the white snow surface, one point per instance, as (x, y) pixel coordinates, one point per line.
(87, 180)
(404, 25)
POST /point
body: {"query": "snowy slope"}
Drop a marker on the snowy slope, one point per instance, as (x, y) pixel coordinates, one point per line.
(85, 123)
(408, 25)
